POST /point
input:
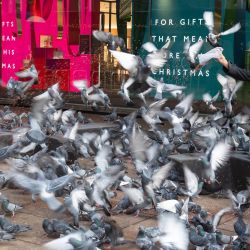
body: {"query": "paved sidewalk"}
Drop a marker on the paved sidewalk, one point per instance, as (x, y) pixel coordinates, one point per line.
(34, 213)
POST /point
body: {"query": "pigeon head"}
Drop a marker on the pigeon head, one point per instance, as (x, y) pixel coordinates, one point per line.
(146, 175)
(186, 125)
(47, 226)
(75, 243)
(142, 110)
(97, 218)
(203, 214)
(200, 230)
(6, 108)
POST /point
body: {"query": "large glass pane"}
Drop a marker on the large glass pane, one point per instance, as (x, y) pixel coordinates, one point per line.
(113, 25)
(129, 32)
(113, 7)
(106, 22)
(104, 7)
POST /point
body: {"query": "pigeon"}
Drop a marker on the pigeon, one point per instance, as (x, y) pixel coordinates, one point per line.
(63, 242)
(197, 60)
(208, 16)
(208, 99)
(113, 232)
(177, 115)
(191, 52)
(44, 188)
(8, 227)
(19, 87)
(136, 197)
(6, 236)
(161, 87)
(103, 158)
(241, 229)
(82, 244)
(214, 53)
(122, 205)
(113, 116)
(143, 241)
(217, 217)
(150, 114)
(7, 206)
(29, 72)
(56, 227)
(196, 239)
(102, 182)
(172, 206)
(192, 182)
(241, 198)
(138, 70)
(113, 42)
(229, 89)
(155, 56)
(52, 93)
(35, 135)
(215, 157)
(174, 234)
(93, 94)
(72, 203)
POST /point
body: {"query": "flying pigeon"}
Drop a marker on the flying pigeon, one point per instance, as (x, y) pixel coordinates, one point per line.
(208, 16)
(113, 42)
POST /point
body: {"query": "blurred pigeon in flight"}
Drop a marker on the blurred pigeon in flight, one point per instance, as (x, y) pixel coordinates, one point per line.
(178, 114)
(215, 157)
(52, 92)
(138, 70)
(208, 99)
(208, 16)
(191, 52)
(161, 87)
(197, 60)
(29, 72)
(229, 89)
(113, 42)
(18, 87)
(173, 232)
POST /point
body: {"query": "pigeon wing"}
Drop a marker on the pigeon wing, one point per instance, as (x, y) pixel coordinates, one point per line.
(172, 87)
(135, 195)
(33, 186)
(191, 180)
(224, 83)
(42, 96)
(80, 84)
(236, 88)
(149, 47)
(103, 157)
(232, 30)
(174, 234)
(184, 106)
(156, 60)
(217, 217)
(160, 175)
(216, 97)
(208, 16)
(78, 196)
(206, 97)
(194, 50)
(127, 61)
(101, 36)
(220, 155)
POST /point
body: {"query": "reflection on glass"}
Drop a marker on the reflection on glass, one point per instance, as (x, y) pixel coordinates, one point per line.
(45, 41)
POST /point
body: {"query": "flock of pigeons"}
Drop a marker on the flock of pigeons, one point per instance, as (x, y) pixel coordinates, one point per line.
(147, 137)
